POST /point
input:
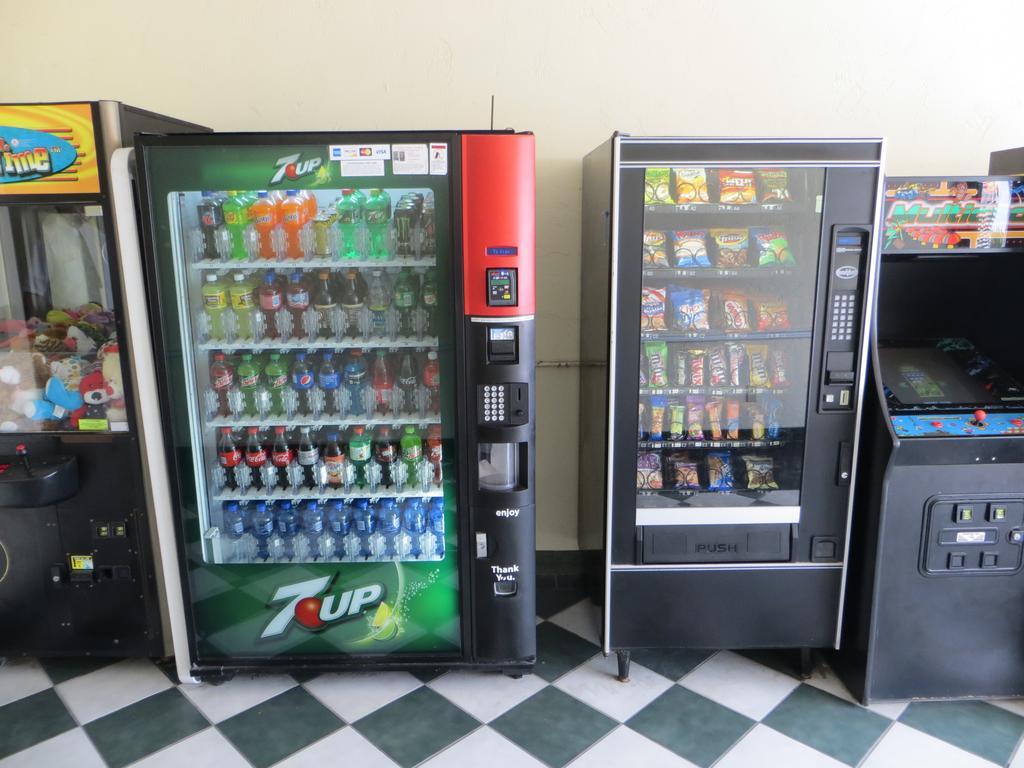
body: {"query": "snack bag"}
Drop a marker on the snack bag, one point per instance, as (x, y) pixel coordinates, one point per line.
(717, 367)
(772, 247)
(736, 187)
(655, 248)
(682, 473)
(641, 421)
(648, 472)
(691, 185)
(676, 421)
(682, 368)
(732, 419)
(772, 315)
(658, 418)
(757, 354)
(652, 309)
(719, 471)
(690, 309)
(643, 370)
(772, 407)
(774, 185)
(714, 409)
(695, 362)
(732, 248)
(657, 363)
(695, 417)
(736, 357)
(735, 311)
(690, 248)
(656, 191)
(760, 473)
(756, 414)
(777, 369)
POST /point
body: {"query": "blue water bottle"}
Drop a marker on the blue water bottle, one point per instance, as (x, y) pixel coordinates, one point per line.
(389, 523)
(414, 521)
(436, 522)
(365, 524)
(262, 529)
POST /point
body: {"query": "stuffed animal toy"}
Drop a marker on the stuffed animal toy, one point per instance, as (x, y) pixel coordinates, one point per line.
(110, 363)
(96, 393)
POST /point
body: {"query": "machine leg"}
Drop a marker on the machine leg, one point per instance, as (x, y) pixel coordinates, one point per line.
(623, 658)
(806, 663)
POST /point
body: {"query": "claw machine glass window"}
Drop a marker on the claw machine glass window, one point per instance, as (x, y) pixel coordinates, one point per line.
(729, 263)
(60, 367)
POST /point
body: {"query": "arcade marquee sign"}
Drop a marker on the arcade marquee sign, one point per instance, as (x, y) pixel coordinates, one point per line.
(47, 149)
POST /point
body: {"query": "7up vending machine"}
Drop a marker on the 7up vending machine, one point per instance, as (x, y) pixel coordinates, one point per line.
(344, 345)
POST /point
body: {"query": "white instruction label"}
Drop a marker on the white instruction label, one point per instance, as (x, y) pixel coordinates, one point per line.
(362, 167)
(409, 159)
(360, 151)
(438, 159)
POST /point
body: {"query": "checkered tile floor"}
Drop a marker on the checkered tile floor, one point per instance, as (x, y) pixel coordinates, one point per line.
(679, 709)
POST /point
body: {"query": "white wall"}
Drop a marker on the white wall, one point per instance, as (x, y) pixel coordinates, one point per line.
(936, 78)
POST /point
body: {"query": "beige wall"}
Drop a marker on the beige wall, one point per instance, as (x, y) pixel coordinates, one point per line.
(936, 78)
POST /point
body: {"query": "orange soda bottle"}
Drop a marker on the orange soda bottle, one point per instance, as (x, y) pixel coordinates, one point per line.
(293, 216)
(264, 217)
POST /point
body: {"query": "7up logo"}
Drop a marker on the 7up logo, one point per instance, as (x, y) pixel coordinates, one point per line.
(312, 609)
(291, 167)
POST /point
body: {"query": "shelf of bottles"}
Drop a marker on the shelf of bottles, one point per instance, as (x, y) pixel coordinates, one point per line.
(320, 389)
(726, 309)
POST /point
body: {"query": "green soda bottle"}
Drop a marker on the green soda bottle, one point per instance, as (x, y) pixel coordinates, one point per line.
(377, 213)
(359, 450)
(248, 373)
(406, 290)
(412, 452)
(243, 302)
(236, 219)
(350, 213)
(215, 302)
(277, 381)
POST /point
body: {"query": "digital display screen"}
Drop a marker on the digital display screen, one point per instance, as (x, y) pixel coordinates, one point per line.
(501, 287)
(501, 334)
(502, 250)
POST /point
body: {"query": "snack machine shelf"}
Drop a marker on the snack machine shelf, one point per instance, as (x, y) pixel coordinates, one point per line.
(670, 273)
(723, 336)
(682, 444)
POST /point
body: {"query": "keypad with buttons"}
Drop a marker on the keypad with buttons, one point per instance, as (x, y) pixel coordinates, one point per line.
(844, 316)
(493, 403)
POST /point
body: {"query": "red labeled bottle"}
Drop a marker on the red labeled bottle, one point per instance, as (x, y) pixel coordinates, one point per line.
(434, 452)
(229, 456)
(255, 455)
(271, 300)
(222, 378)
(281, 456)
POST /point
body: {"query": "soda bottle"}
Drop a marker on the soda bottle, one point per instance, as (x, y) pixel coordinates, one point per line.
(352, 301)
(277, 381)
(359, 454)
(234, 531)
(312, 520)
(365, 523)
(435, 519)
(263, 214)
(383, 384)
(296, 299)
(302, 381)
(408, 383)
(215, 302)
(434, 453)
(292, 218)
(414, 521)
(262, 529)
(309, 204)
(222, 378)
(243, 303)
(236, 219)
(287, 525)
(428, 301)
(349, 215)
(211, 219)
(308, 455)
(229, 456)
(281, 456)
(334, 461)
(323, 302)
(412, 453)
(249, 382)
(432, 381)
(378, 299)
(377, 214)
(389, 523)
(384, 455)
(270, 302)
(255, 456)
(328, 379)
(406, 290)
(354, 375)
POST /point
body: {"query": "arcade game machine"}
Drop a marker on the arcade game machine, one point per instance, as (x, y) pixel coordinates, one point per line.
(76, 570)
(936, 588)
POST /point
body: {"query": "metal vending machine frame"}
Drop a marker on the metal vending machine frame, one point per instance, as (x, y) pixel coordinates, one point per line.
(745, 569)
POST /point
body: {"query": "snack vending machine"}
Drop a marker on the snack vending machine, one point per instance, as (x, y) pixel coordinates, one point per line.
(726, 284)
(934, 596)
(345, 325)
(77, 571)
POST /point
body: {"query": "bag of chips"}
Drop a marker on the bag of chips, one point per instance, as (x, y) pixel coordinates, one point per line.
(757, 427)
(732, 419)
(735, 311)
(655, 248)
(682, 473)
(648, 472)
(652, 309)
(676, 421)
(658, 418)
(682, 367)
(714, 409)
(717, 367)
(657, 363)
(757, 356)
(774, 185)
(760, 473)
(690, 309)
(690, 248)
(737, 355)
(732, 247)
(691, 185)
(772, 315)
(777, 369)
(772, 247)
(695, 417)
(736, 187)
(719, 466)
(695, 361)
(656, 191)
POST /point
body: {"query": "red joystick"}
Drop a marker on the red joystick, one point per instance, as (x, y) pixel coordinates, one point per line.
(980, 416)
(1017, 422)
(936, 424)
(21, 449)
